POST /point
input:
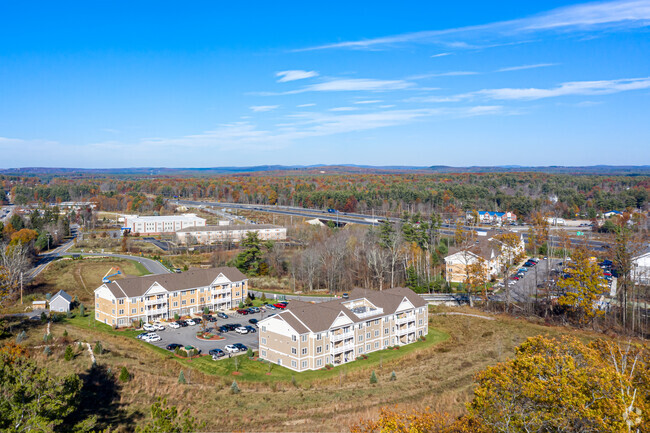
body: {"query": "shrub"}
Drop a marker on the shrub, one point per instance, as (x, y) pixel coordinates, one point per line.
(47, 351)
(43, 317)
(65, 333)
(82, 310)
(69, 353)
(250, 353)
(241, 305)
(21, 337)
(206, 310)
(125, 376)
(68, 314)
(293, 381)
(98, 348)
(373, 377)
(176, 316)
(234, 388)
(181, 378)
(393, 377)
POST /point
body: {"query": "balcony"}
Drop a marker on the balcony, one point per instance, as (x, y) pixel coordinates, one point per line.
(343, 348)
(405, 330)
(341, 336)
(157, 301)
(405, 319)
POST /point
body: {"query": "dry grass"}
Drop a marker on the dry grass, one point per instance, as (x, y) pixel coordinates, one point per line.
(439, 376)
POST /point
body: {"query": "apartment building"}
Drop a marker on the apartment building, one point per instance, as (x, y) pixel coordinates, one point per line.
(309, 336)
(156, 225)
(232, 233)
(160, 297)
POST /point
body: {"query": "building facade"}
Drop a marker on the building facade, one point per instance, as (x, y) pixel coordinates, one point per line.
(160, 297)
(156, 225)
(229, 233)
(60, 302)
(490, 217)
(310, 336)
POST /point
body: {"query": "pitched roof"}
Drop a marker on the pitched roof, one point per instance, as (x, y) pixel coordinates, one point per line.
(137, 286)
(62, 294)
(320, 316)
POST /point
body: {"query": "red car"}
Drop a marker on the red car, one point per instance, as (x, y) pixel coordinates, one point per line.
(243, 312)
(280, 306)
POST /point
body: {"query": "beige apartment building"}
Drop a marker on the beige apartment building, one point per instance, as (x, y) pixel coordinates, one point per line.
(232, 233)
(309, 336)
(159, 297)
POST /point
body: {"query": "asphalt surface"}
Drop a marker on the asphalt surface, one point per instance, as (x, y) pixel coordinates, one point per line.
(187, 335)
(163, 245)
(151, 265)
(524, 289)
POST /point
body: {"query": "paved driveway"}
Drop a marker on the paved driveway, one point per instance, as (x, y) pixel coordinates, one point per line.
(187, 335)
(524, 288)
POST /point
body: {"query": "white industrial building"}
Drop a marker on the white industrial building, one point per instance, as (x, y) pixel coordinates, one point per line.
(155, 225)
(229, 233)
(641, 268)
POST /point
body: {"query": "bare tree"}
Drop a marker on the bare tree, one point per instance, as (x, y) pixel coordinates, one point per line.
(14, 259)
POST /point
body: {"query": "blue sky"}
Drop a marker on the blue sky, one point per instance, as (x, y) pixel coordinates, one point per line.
(204, 84)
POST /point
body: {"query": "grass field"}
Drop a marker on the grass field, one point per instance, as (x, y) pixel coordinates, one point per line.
(79, 277)
(437, 373)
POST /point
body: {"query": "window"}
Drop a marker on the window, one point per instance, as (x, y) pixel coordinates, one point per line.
(361, 349)
(134, 310)
(319, 349)
(360, 338)
(294, 364)
(319, 362)
(192, 300)
(304, 364)
(113, 301)
(263, 340)
(304, 338)
(192, 291)
(386, 342)
(175, 294)
(183, 302)
(263, 328)
(360, 325)
(97, 305)
(142, 309)
(113, 311)
(304, 350)
(319, 336)
(120, 312)
(202, 300)
(376, 321)
(420, 333)
(368, 347)
(376, 344)
(263, 352)
(368, 335)
(376, 332)
(134, 300)
(175, 303)
(294, 338)
(420, 322)
(327, 347)
(121, 302)
(294, 351)
(385, 319)
(368, 323)
(385, 331)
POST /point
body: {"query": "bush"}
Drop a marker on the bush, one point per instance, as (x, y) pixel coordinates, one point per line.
(47, 337)
(241, 305)
(373, 377)
(47, 351)
(98, 348)
(250, 353)
(176, 316)
(21, 337)
(82, 310)
(206, 310)
(69, 353)
(65, 333)
(43, 317)
(393, 377)
(125, 376)
(181, 378)
(234, 388)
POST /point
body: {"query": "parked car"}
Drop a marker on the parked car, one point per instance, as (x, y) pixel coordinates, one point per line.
(183, 323)
(271, 306)
(241, 330)
(159, 326)
(232, 326)
(523, 270)
(253, 321)
(242, 312)
(190, 322)
(251, 329)
(174, 325)
(231, 348)
(285, 303)
(148, 327)
(346, 296)
(241, 347)
(222, 315)
(173, 346)
(151, 338)
(217, 352)
(253, 310)
(280, 306)
(208, 318)
(139, 336)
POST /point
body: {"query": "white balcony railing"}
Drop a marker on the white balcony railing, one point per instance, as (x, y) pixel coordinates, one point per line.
(155, 301)
(341, 336)
(343, 348)
(405, 330)
(405, 319)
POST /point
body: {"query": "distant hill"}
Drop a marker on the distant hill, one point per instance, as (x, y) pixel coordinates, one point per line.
(630, 170)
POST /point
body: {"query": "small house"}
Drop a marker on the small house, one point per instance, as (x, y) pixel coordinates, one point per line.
(39, 305)
(60, 302)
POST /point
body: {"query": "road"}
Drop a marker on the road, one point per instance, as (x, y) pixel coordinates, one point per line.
(163, 245)
(355, 218)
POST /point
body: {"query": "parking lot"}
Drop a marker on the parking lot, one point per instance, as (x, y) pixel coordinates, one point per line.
(187, 335)
(521, 290)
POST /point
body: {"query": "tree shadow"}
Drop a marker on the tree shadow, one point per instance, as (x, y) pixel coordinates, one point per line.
(100, 396)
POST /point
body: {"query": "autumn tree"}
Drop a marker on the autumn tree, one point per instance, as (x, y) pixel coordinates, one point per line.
(404, 421)
(581, 286)
(563, 386)
(166, 419)
(510, 253)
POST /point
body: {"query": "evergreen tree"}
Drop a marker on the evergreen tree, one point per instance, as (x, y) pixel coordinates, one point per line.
(125, 376)
(234, 388)
(69, 353)
(82, 310)
(181, 378)
(98, 348)
(47, 351)
(393, 377)
(249, 261)
(373, 377)
(21, 337)
(65, 332)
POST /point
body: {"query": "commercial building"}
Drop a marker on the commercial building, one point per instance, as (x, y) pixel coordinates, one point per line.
(160, 297)
(489, 217)
(641, 268)
(489, 251)
(156, 225)
(309, 336)
(232, 233)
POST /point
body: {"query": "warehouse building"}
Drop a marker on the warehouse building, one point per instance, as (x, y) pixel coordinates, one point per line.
(156, 225)
(230, 233)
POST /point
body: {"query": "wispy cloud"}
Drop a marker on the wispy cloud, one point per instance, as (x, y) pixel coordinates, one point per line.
(294, 75)
(582, 17)
(348, 85)
(440, 55)
(443, 74)
(263, 108)
(343, 109)
(305, 105)
(523, 67)
(372, 101)
(566, 89)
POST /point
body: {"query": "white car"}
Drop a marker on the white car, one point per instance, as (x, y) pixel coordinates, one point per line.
(190, 322)
(174, 325)
(231, 349)
(150, 338)
(148, 327)
(241, 330)
(159, 326)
